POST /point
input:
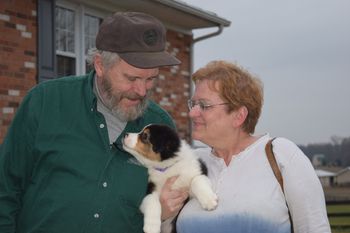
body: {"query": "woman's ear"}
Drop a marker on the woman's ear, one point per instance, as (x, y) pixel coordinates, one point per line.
(240, 116)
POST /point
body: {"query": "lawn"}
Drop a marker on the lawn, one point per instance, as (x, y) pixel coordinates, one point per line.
(338, 208)
(339, 224)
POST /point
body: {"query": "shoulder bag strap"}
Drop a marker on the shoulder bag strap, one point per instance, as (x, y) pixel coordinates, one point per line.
(273, 163)
(276, 171)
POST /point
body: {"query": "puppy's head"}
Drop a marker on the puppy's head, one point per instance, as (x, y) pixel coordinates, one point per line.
(155, 143)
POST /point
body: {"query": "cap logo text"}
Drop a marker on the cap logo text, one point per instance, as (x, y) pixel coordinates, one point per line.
(150, 37)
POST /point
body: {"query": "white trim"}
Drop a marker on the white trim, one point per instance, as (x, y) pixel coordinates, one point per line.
(66, 54)
(80, 40)
(97, 13)
(80, 10)
(66, 4)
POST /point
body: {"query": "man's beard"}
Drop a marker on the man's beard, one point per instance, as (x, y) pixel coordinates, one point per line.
(113, 100)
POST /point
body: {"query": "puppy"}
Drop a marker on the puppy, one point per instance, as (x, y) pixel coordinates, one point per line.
(159, 148)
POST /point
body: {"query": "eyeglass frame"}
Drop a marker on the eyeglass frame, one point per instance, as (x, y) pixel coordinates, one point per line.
(202, 106)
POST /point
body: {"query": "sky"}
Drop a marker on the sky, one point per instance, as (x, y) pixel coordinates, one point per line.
(300, 49)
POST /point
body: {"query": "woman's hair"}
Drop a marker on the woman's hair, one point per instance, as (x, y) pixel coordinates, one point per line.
(108, 58)
(236, 86)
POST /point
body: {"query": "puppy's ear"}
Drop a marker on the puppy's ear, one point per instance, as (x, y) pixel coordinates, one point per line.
(171, 147)
(164, 140)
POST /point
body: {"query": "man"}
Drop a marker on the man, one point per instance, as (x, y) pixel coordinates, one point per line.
(62, 168)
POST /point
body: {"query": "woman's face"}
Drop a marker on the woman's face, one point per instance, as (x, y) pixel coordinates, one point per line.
(210, 124)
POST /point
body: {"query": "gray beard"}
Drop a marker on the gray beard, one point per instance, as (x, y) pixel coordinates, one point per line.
(113, 99)
(129, 115)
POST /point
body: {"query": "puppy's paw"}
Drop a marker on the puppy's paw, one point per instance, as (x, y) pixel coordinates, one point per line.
(201, 189)
(208, 201)
(152, 226)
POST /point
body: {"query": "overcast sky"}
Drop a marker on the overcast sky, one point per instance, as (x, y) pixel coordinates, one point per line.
(300, 49)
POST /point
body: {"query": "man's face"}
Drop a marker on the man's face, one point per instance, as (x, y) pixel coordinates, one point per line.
(125, 89)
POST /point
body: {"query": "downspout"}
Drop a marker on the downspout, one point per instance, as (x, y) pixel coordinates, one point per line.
(218, 32)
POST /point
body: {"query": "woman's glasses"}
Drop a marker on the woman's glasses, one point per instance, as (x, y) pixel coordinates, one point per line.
(201, 104)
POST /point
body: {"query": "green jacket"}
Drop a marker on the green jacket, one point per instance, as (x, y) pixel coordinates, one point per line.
(58, 172)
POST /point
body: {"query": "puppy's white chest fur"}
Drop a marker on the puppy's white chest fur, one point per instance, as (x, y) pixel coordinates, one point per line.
(159, 148)
(186, 168)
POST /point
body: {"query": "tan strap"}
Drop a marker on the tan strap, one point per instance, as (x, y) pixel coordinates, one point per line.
(273, 163)
(276, 171)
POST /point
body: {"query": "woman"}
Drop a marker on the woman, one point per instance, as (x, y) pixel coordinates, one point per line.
(225, 109)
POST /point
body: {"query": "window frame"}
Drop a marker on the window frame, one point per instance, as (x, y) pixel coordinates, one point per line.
(80, 11)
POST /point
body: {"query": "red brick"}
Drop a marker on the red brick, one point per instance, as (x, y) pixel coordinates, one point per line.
(15, 50)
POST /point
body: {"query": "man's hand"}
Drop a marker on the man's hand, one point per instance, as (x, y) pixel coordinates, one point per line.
(172, 200)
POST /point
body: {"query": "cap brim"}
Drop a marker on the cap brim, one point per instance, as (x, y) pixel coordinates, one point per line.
(149, 60)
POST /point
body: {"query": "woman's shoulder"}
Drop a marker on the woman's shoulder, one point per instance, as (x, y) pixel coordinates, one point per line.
(284, 144)
(287, 150)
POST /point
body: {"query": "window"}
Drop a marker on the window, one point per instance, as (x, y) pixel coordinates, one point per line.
(91, 25)
(76, 30)
(65, 41)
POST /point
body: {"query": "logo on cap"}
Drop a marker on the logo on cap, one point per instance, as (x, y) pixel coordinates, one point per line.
(150, 37)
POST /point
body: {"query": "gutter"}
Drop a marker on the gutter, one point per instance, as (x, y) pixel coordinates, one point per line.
(212, 19)
(218, 32)
(195, 11)
(204, 37)
(207, 36)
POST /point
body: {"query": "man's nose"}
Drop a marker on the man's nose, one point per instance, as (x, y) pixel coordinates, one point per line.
(140, 87)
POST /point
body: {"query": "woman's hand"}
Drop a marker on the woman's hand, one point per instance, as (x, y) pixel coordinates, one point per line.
(171, 200)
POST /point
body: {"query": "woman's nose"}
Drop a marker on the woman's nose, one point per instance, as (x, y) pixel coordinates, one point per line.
(194, 111)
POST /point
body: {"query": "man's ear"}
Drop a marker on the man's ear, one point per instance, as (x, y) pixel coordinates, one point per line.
(240, 116)
(98, 65)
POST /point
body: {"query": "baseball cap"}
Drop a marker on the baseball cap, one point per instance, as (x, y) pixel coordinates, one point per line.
(138, 38)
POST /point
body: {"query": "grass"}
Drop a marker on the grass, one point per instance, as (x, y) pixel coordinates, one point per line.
(339, 224)
(339, 230)
(338, 209)
(339, 221)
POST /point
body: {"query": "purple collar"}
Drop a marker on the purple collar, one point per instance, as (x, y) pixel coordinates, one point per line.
(160, 169)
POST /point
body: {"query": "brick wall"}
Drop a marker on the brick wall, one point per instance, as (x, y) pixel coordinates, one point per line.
(173, 88)
(18, 30)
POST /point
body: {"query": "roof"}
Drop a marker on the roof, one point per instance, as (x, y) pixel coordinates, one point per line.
(175, 14)
(327, 172)
(323, 173)
(334, 169)
(189, 16)
(344, 170)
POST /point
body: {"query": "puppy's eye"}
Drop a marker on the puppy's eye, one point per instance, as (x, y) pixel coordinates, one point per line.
(144, 137)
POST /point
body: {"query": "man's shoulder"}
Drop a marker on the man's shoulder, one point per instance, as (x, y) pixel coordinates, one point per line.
(64, 81)
(69, 85)
(156, 114)
(154, 108)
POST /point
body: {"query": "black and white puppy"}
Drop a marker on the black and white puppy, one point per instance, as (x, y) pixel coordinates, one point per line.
(159, 148)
